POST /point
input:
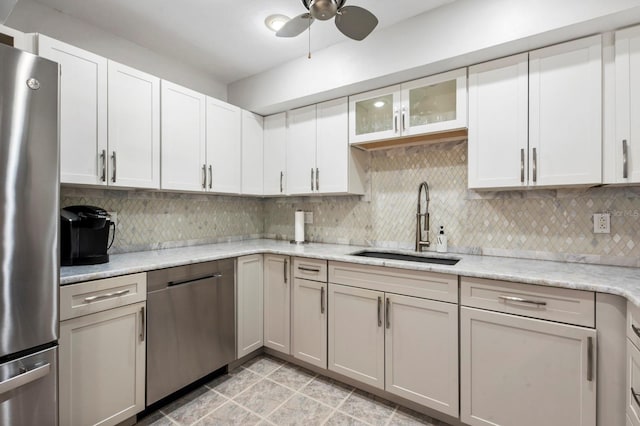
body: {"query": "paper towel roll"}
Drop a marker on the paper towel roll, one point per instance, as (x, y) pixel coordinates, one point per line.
(299, 227)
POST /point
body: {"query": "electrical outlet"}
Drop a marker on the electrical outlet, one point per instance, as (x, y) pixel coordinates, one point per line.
(114, 217)
(601, 223)
(308, 217)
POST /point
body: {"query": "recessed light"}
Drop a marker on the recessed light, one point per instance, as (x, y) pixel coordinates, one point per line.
(378, 104)
(275, 22)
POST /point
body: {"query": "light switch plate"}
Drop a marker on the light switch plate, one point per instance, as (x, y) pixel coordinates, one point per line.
(308, 217)
(114, 217)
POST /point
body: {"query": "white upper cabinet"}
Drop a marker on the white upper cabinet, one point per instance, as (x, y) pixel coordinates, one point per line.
(562, 108)
(565, 113)
(374, 115)
(252, 146)
(183, 138)
(320, 160)
(498, 123)
(134, 128)
(83, 111)
(626, 150)
(301, 150)
(432, 104)
(332, 146)
(275, 154)
(224, 147)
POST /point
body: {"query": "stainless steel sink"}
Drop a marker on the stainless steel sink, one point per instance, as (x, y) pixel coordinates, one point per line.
(407, 257)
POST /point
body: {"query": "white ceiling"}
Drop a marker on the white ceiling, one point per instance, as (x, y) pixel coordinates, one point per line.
(227, 38)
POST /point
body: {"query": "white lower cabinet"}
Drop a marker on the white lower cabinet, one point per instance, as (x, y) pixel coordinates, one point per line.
(356, 334)
(102, 366)
(249, 299)
(277, 303)
(633, 384)
(525, 372)
(421, 351)
(309, 321)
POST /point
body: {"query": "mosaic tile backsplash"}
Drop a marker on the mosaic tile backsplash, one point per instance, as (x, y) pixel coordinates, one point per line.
(153, 220)
(542, 224)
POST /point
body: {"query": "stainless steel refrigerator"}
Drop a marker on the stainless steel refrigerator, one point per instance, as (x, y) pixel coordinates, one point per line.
(29, 216)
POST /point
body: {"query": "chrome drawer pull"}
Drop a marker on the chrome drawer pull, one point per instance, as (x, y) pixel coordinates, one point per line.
(302, 268)
(521, 300)
(379, 311)
(105, 296)
(522, 165)
(635, 396)
(103, 158)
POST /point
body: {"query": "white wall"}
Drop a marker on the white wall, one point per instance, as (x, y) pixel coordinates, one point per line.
(5, 9)
(29, 16)
(457, 34)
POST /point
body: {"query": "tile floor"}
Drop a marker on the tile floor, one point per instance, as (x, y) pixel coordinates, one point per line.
(268, 391)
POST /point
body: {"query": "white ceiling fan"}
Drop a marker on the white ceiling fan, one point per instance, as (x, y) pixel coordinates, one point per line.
(353, 21)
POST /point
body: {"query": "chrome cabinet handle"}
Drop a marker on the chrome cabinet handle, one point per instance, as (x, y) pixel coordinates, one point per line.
(103, 158)
(395, 121)
(285, 270)
(302, 268)
(521, 300)
(204, 176)
(379, 311)
(535, 166)
(113, 176)
(322, 300)
(625, 167)
(24, 378)
(589, 359)
(633, 393)
(142, 327)
(386, 313)
(281, 176)
(635, 330)
(312, 178)
(403, 123)
(106, 296)
(210, 176)
(317, 179)
(522, 165)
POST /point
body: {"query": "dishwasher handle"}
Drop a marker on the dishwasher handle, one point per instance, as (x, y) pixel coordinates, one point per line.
(192, 280)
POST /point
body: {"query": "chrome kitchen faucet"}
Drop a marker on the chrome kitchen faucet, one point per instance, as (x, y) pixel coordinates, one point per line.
(420, 217)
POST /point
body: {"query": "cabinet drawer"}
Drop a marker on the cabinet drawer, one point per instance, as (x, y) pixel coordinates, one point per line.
(633, 384)
(549, 303)
(310, 269)
(428, 285)
(633, 323)
(94, 296)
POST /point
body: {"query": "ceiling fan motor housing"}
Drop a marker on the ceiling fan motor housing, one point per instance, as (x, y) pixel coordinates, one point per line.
(323, 9)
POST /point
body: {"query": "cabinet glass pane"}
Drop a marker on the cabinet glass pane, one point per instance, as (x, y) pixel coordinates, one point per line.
(374, 115)
(432, 104)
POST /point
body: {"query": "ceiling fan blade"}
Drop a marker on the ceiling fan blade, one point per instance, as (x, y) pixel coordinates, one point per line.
(295, 26)
(356, 22)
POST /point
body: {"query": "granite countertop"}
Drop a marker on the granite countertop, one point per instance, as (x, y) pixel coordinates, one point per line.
(617, 280)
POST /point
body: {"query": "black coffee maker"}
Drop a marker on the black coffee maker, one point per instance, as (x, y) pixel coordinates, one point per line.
(84, 235)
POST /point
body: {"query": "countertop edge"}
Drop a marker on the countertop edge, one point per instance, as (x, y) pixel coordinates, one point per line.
(596, 278)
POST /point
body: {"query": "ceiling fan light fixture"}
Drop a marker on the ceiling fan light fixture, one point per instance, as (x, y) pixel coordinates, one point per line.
(275, 22)
(323, 10)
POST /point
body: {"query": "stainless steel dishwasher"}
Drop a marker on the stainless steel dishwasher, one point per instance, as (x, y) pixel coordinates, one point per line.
(190, 324)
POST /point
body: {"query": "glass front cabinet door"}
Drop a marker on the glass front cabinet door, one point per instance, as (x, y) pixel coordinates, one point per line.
(429, 105)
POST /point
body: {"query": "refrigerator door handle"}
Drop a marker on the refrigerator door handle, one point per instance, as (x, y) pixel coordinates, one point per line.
(24, 378)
